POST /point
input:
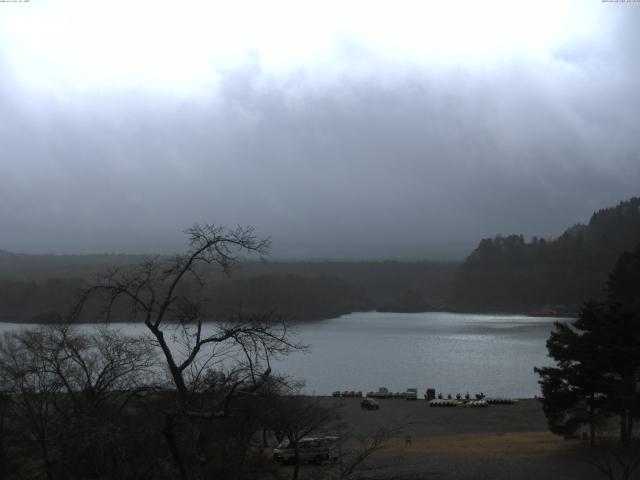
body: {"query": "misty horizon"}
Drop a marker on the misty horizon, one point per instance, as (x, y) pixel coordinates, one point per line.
(359, 132)
(442, 253)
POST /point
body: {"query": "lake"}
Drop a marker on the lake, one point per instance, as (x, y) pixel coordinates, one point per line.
(450, 352)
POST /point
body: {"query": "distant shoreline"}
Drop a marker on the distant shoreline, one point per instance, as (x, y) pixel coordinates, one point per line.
(42, 321)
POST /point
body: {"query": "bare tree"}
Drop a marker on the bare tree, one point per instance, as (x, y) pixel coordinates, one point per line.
(614, 460)
(8, 461)
(66, 390)
(295, 417)
(209, 364)
(33, 390)
(157, 293)
(98, 366)
(361, 447)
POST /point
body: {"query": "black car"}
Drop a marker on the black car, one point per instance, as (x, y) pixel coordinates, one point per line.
(369, 404)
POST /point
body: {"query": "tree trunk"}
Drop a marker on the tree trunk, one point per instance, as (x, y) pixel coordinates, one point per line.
(628, 394)
(592, 421)
(45, 459)
(169, 435)
(296, 463)
(176, 373)
(632, 404)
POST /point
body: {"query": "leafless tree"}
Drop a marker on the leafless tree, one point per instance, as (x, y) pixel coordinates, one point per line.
(360, 447)
(615, 460)
(33, 390)
(8, 463)
(65, 390)
(209, 364)
(158, 293)
(97, 366)
(292, 416)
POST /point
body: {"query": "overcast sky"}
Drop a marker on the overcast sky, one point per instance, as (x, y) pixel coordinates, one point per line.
(401, 129)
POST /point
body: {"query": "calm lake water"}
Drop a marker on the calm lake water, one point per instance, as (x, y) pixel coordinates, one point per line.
(451, 352)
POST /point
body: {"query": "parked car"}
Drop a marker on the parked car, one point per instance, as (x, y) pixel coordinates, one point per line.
(310, 450)
(430, 394)
(369, 404)
(381, 393)
(411, 394)
(384, 393)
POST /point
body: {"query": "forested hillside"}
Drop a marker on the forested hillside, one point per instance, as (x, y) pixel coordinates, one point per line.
(547, 276)
(39, 287)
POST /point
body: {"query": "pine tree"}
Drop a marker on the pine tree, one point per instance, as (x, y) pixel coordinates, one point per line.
(575, 391)
(623, 338)
(598, 359)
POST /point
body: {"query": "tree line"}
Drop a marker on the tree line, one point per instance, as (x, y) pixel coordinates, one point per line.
(547, 276)
(297, 297)
(40, 288)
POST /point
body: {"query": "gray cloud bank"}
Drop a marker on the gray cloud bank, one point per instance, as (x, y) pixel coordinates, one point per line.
(394, 160)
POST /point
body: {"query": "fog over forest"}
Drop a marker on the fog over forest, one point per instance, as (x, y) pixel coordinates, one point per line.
(354, 132)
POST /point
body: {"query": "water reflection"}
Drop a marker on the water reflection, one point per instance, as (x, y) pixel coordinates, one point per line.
(450, 352)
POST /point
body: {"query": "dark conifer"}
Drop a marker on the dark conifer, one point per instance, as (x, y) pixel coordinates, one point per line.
(598, 359)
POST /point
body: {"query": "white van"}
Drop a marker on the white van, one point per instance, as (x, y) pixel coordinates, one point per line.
(411, 394)
(310, 450)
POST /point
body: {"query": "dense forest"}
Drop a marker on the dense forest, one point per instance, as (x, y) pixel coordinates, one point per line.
(36, 288)
(555, 276)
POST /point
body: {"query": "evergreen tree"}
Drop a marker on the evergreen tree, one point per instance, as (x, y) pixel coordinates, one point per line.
(598, 359)
(623, 337)
(575, 391)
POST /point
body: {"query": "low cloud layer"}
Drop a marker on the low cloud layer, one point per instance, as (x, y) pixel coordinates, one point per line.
(367, 156)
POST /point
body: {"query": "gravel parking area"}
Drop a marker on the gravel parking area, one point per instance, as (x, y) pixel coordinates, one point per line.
(497, 442)
(420, 420)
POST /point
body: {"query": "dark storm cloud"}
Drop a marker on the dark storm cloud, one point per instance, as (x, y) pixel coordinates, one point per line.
(400, 161)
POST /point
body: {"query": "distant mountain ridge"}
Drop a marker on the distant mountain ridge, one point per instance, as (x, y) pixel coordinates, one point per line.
(503, 274)
(507, 273)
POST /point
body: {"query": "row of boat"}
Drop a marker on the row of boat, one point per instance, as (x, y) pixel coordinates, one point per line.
(411, 394)
(473, 403)
(458, 403)
(378, 394)
(381, 393)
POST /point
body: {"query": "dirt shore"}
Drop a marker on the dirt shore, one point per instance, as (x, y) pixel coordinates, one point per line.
(497, 442)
